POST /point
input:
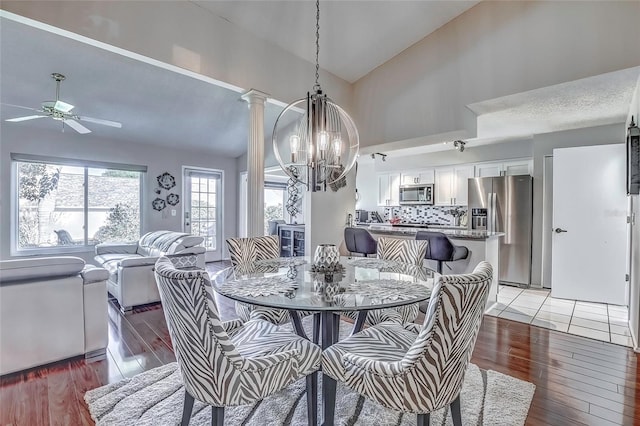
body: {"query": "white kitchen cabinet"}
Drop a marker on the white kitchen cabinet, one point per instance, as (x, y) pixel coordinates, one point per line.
(504, 168)
(388, 189)
(488, 170)
(461, 184)
(443, 186)
(521, 167)
(451, 185)
(418, 177)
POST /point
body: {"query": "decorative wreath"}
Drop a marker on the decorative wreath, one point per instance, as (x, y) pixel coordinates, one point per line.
(158, 204)
(173, 199)
(166, 181)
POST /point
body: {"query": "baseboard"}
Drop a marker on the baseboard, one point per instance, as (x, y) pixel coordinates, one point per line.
(97, 355)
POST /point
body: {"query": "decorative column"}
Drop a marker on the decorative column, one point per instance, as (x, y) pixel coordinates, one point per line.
(255, 163)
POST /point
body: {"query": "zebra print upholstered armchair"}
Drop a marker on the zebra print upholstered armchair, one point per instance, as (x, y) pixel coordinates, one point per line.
(229, 363)
(410, 368)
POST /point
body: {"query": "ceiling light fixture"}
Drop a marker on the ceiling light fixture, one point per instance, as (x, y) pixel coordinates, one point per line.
(382, 156)
(322, 145)
(459, 145)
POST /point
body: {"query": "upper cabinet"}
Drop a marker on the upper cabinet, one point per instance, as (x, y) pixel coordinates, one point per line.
(388, 189)
(418, 177)
(451, 185)
(504, 168)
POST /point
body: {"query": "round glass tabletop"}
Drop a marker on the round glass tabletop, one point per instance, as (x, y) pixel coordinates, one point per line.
(293, 283)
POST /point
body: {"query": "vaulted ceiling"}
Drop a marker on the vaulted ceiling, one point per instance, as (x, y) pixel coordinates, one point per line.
(157, 105)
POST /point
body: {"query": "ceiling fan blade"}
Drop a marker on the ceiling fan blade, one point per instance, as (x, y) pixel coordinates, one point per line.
(101, 121)
(76, 126)
(22, 107)
(28, 117)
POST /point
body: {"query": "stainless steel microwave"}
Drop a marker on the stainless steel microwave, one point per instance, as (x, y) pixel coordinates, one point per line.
(416, 194)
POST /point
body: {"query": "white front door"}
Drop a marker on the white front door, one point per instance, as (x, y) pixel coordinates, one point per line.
(589, 224)
(203, 209)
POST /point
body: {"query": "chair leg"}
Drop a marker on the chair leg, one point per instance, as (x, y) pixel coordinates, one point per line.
(336, 328)
(328, 399)
(217, 416)
(423, 419)
(456, 414)
(316, 328)
(186, 409)
(440, 266)
(312, 398)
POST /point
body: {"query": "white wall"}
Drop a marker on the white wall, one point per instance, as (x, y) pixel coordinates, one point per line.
(89, 147)
(494, 49)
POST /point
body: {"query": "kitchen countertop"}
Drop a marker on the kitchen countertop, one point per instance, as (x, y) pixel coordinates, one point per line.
(451, 232)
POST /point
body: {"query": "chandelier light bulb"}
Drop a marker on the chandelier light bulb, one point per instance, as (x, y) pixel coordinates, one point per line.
(337, 148)
(294, 142)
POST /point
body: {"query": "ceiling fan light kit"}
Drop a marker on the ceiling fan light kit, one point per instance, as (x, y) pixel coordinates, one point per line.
(61, 111)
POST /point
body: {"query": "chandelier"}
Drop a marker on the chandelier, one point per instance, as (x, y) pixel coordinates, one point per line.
(314, 140)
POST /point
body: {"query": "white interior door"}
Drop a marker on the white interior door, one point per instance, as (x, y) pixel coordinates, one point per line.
(203, 209)
(589, 224)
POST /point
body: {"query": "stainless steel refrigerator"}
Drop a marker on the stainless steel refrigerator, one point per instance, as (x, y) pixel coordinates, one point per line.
(505, 204)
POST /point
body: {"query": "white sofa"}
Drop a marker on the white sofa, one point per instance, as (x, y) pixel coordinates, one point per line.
(131, 280)
(51, 308)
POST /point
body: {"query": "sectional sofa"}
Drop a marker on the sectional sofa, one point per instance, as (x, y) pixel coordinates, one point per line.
(131, 280)
(51, 308)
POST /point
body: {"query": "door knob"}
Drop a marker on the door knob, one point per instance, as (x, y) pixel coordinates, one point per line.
(559, 230)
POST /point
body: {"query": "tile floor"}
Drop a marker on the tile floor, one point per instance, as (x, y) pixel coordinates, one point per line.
(536, 307)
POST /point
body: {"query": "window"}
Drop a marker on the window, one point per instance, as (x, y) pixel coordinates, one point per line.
(67, 203)
(274, 203)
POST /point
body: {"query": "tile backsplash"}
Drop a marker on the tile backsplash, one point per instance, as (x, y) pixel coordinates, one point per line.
(441, 215)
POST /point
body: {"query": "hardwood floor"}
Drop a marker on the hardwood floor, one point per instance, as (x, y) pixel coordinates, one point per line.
(578, 380)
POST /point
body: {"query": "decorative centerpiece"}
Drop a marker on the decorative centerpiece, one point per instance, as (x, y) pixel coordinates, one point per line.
(326, 258)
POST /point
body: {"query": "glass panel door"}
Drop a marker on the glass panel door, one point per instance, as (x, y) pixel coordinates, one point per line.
(203, 209)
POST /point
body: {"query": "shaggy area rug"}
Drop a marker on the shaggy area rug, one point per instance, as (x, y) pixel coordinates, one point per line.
(155, 398)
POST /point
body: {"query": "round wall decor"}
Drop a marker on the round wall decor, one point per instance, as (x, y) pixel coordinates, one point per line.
(158, 204)
(166, 181)
(173, 199)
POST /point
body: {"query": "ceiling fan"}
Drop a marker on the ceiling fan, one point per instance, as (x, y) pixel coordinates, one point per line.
(62, 111)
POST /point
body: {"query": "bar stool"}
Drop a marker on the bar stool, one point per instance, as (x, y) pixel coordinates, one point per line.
(441, 249)
(359, 240)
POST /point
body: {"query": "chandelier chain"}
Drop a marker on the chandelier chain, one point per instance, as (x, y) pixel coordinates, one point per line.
(316, 86)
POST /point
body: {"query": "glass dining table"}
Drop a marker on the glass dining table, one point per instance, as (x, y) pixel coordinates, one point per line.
(357, 285)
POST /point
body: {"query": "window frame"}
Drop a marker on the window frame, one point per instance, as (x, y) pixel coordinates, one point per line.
(85, 247)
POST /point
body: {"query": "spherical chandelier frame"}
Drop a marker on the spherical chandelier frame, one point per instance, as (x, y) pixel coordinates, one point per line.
(323, 145)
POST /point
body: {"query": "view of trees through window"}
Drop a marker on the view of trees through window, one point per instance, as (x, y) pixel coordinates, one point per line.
(274, 199)
(53, 209)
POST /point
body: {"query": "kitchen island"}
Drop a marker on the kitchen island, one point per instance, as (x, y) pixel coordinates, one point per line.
(482, 245)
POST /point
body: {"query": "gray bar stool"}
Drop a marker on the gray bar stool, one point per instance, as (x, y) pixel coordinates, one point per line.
(359, 240)
(441, 249)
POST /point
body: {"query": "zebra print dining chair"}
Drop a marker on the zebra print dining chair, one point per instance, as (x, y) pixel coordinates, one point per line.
(245, 250)
(229, 363)
(411, 368)
(411, 252)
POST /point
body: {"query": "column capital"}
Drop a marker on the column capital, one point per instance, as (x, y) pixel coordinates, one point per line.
(254, 96)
